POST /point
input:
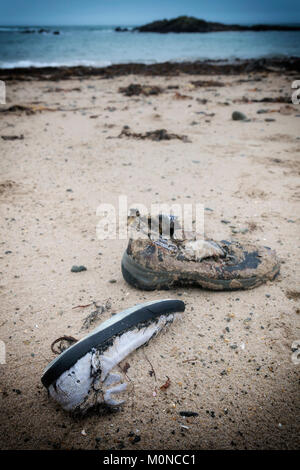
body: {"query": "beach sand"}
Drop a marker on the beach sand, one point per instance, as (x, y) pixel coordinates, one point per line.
(229, 356)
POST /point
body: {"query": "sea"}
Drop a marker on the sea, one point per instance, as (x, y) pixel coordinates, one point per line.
(96, 46)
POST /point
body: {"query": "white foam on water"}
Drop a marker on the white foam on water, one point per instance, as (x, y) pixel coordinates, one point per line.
(37, 64)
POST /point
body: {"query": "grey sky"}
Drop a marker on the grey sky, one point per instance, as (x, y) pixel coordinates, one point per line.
(73, 12)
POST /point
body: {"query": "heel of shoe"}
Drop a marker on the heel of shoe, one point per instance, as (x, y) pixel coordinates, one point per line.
(140, 277)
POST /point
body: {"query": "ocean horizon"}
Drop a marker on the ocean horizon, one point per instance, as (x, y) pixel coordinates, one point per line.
(100, 46)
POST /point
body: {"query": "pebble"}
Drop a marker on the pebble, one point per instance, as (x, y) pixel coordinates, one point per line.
(188, 413)
(184, 427)
(238, 116)
(135, 439)
(78, 269)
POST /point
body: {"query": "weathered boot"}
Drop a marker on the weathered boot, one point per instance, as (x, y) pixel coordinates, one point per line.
(153, 260)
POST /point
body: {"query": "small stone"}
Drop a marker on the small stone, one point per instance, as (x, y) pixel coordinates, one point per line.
(136, 439)
(188, 414)
(238, 116)
(78, 269)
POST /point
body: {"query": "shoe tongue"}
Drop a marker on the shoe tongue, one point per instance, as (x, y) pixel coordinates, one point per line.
(166, 231)
(160, 226)
(165, 226)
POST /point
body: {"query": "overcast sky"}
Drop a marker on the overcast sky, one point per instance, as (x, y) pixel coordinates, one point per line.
(112, 12)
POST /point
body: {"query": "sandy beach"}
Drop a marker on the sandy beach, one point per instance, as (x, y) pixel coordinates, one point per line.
(229, 357)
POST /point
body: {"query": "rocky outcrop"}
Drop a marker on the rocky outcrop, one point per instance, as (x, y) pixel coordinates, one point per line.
(190, 24)
(118, 29)
(39, 31)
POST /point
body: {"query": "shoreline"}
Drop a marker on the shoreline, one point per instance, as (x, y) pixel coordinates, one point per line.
(205, 67)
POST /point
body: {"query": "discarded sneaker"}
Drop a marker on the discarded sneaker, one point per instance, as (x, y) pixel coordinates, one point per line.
(160, 256)
(82, 376)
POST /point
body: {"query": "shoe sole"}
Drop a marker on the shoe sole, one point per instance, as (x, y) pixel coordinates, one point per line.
(147, 279)
(115, 325)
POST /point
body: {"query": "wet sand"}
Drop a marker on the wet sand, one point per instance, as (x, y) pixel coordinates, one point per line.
(229, 357)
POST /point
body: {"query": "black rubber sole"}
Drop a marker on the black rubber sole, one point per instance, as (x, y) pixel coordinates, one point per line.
(116, 325)
(146, 279)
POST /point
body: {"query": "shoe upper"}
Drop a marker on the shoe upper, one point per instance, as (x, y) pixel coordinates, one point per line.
(168, 248)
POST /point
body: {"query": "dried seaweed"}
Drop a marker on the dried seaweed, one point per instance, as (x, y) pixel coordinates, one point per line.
(63, 343)
(166, 385)
(207, 83)
(135, 89)
(156, 136)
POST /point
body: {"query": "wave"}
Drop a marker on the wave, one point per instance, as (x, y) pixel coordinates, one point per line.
(11, 28)
(102, 31)
(37, 64)
(96, 64)
(32, 30)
